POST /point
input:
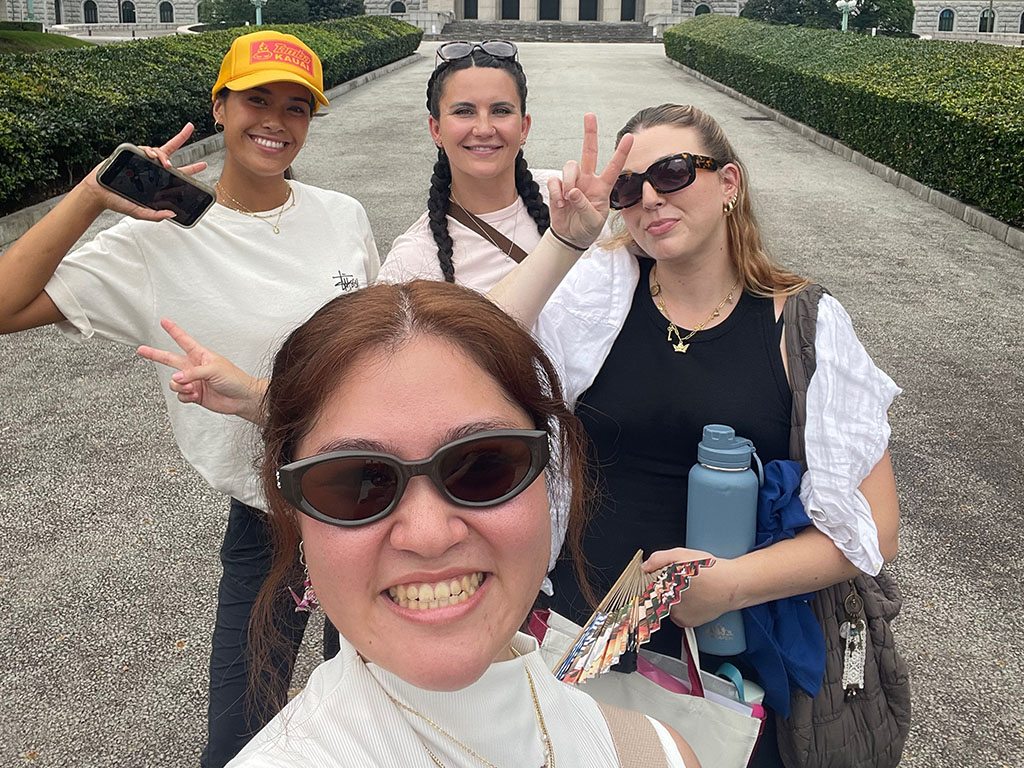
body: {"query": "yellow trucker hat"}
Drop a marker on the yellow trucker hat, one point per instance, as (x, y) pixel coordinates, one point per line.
(271, 57)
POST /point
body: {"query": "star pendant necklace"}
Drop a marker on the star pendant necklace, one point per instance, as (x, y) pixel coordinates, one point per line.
(681, 344)
(287, 205)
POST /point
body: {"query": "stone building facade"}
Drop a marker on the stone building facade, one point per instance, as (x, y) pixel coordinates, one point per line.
(969, 20)
(103, 13)
(651, 11)
(934, 19)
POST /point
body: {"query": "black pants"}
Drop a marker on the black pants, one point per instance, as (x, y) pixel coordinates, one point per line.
(245, 556)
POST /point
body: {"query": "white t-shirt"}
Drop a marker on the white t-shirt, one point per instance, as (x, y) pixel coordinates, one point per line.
(233, 285)
(343, 717)
(478, 264)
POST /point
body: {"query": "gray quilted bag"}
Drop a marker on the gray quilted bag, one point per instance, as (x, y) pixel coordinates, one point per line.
(835, 730)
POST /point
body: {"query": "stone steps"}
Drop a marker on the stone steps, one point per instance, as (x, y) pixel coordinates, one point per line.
(549, 31)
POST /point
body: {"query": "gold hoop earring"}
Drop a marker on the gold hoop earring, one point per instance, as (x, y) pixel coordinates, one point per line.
(218, 128)
(728, 208)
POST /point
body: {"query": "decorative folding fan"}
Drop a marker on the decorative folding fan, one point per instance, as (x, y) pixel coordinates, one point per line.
(625, 619)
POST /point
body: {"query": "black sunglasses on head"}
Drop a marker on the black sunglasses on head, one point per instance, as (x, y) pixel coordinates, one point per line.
(460, 49)
(359, 487)
(668, 175)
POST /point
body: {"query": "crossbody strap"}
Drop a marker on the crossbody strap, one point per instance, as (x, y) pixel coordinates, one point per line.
(799, 319)
(636, 742)
(486, 231)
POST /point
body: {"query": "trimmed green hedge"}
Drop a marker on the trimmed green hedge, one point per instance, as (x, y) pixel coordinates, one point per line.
(62, 111)
(950, 115)
(22, 26)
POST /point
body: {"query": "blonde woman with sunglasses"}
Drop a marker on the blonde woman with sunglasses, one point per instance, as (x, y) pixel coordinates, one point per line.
(258, 263)
(677, 323)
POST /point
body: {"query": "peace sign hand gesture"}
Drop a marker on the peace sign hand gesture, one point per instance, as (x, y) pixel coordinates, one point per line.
(206, 378)
(579, 200)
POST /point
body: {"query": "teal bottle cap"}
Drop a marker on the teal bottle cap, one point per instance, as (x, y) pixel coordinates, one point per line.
(722, 449)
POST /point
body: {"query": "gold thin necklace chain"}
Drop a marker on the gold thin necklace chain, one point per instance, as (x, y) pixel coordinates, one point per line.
(549, 752)
(680, 344)
(479, 229)
(276, 215)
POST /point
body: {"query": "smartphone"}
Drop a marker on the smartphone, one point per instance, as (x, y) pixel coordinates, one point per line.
(130, 173)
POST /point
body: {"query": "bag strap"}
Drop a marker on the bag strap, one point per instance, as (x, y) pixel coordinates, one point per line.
(488, 232)
(636, 742)
(799, 320)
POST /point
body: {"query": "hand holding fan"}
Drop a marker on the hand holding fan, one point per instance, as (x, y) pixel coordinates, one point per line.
(626, 617)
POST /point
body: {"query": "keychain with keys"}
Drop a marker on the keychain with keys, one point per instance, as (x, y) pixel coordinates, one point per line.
(854, 632)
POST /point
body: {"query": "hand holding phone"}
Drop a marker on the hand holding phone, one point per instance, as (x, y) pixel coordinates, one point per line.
(135, 176)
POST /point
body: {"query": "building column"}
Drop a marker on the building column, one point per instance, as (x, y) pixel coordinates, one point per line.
(529, 10)
(570, 10)
(609, 10)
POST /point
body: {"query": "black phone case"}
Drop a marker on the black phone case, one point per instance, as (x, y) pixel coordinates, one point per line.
(133, 175)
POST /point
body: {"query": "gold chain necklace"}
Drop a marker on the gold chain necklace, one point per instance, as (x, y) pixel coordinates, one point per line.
(680, 344)
(479, 228)
(549, 753)
(275, 224)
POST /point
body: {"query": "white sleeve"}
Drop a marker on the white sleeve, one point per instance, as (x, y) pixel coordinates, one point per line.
(846, 434)
(672, 757)
(104, 288)
(412, 257)
(372, 257)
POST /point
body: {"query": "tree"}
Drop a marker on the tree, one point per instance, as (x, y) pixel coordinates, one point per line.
(234, 12)
(322, 10)
(286, 12)
(821, 14)
(888, 16)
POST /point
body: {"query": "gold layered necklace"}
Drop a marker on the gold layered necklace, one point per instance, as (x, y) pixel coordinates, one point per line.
(681, 342)
(287, 205)
(481, 230)
(549, 753)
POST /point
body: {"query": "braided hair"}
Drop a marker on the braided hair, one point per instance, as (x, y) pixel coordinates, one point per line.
(441, 179)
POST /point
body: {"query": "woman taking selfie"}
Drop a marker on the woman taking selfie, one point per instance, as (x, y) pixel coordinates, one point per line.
(409, 441)
(486, 210)
(676, 324)
(255, 266)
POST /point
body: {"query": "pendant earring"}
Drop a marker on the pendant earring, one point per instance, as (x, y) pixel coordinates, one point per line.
(308, 602)
(729, 207)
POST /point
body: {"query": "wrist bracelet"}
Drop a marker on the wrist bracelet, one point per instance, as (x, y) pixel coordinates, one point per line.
(565, 242)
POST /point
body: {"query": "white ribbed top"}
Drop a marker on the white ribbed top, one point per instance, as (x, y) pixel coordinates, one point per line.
(344, 718)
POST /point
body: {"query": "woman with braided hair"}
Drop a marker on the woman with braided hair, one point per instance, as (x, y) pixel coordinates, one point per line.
(486, 209)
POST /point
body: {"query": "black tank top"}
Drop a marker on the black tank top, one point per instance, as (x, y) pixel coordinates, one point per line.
(644, 415)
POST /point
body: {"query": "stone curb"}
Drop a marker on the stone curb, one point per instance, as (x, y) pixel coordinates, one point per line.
(974, 217)
(18, 223)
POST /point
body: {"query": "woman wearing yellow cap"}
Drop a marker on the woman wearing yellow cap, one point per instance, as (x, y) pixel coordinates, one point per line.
(254, 267)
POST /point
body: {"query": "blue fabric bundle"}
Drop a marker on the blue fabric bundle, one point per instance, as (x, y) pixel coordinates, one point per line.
(785, 644)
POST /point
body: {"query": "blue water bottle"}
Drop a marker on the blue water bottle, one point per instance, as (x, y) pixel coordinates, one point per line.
(721, 518)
